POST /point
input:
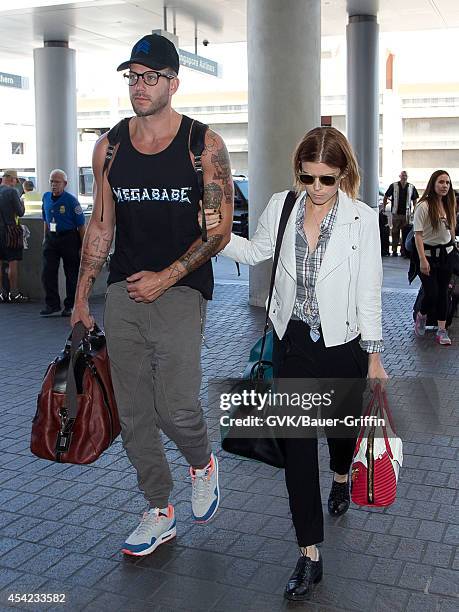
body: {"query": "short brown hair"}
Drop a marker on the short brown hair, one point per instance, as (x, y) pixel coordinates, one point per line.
(28, 186)
(329, 146)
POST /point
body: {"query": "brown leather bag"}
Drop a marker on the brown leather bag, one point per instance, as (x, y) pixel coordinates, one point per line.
(76, 417)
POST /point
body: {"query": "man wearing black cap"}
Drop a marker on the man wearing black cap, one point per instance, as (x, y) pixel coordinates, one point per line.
(159, 283)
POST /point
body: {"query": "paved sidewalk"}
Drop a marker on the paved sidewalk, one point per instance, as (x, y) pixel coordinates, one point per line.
(61, 526)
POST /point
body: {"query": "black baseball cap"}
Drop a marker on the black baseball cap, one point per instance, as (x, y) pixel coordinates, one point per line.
(155, 52)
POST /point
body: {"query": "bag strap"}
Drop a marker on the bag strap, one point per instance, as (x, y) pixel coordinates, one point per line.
(197, 142)
(114, 138)
(287, 208)
(68, 413)
(78, 333)
(377, 407)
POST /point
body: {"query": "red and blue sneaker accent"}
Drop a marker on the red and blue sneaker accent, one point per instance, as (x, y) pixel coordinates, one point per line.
(155, 528)
(205, 495)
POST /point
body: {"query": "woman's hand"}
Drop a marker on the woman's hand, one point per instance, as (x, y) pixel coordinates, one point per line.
(213, 218)
(376, 372)
(424, 266)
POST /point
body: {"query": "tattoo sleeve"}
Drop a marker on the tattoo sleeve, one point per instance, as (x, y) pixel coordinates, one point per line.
(222, 177)
(213, 196)
(93, 256)
(195, 258)
(218, 191)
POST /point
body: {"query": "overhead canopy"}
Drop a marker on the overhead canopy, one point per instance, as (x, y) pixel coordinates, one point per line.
(102, 25)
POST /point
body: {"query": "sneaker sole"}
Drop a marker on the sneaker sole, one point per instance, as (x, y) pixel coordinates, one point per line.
(442, 343)
(200, 521)
(166, 536)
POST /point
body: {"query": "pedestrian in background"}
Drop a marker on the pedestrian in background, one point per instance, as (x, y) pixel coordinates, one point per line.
(434, 230)
(30, 197)
(404, 196)
(11, 208)
(64, 226)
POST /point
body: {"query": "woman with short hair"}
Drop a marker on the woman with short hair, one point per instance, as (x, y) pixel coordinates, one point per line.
(326, 313)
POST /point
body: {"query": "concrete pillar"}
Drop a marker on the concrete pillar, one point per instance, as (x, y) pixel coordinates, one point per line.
(55, 113)
(363, 100)
(283, 48)
(392, 128)
(392, 137)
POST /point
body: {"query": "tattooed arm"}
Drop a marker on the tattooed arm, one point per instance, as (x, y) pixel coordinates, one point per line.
(218, 195)
(97, 238)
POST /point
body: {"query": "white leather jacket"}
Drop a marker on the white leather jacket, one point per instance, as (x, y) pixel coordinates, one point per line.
(348, 287)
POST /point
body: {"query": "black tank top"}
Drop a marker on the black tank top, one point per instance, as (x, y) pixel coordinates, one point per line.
(156, 206)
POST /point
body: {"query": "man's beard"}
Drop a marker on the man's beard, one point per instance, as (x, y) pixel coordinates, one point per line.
(155, 107)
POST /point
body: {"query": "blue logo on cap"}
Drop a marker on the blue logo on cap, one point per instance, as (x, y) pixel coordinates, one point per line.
(142, 46)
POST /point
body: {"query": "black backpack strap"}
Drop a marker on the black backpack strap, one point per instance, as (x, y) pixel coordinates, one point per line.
(114, 137)
(287, 208)
(197, 141)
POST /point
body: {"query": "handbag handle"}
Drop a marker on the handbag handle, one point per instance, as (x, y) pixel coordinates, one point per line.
(258, 367)
(378, 406)
(79, 331)
(69, 411)
(287, 208)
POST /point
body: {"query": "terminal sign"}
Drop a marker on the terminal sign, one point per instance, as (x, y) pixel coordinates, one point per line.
(197, 62)
(13, 80)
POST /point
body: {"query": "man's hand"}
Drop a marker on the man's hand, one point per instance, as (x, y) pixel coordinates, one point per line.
(81, 313)
(147, 286)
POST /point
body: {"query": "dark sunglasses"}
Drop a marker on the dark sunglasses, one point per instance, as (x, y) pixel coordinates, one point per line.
(327, 180)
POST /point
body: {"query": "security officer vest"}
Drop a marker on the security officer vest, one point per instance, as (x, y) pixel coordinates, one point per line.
(156, 207)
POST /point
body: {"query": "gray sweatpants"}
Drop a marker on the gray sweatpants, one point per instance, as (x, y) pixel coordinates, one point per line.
(155, 359)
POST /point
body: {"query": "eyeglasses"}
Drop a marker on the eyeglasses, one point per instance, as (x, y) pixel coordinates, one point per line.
(327, 180)
(150, 78)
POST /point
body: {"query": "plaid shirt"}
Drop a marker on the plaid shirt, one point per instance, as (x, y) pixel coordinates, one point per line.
(307, 270)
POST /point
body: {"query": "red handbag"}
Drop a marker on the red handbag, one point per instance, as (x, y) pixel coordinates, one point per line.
(378, 457)
(76, 417)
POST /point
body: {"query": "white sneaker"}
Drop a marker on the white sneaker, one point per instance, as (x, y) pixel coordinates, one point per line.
(442, 337)
(154, 529)
(420, 324)
(205, 495)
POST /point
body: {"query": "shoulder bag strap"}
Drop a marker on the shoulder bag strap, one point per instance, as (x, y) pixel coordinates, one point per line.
(114, 137)
(289, 203)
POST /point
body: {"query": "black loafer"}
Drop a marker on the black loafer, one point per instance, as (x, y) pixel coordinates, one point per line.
(339, 499)
(67, 312)
(307, 573)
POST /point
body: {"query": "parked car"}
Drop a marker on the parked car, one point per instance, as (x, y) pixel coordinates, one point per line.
(241, 205)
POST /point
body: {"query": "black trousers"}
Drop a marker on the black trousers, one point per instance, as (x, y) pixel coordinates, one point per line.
(435, 287)
(298, 356)
(65, 246)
